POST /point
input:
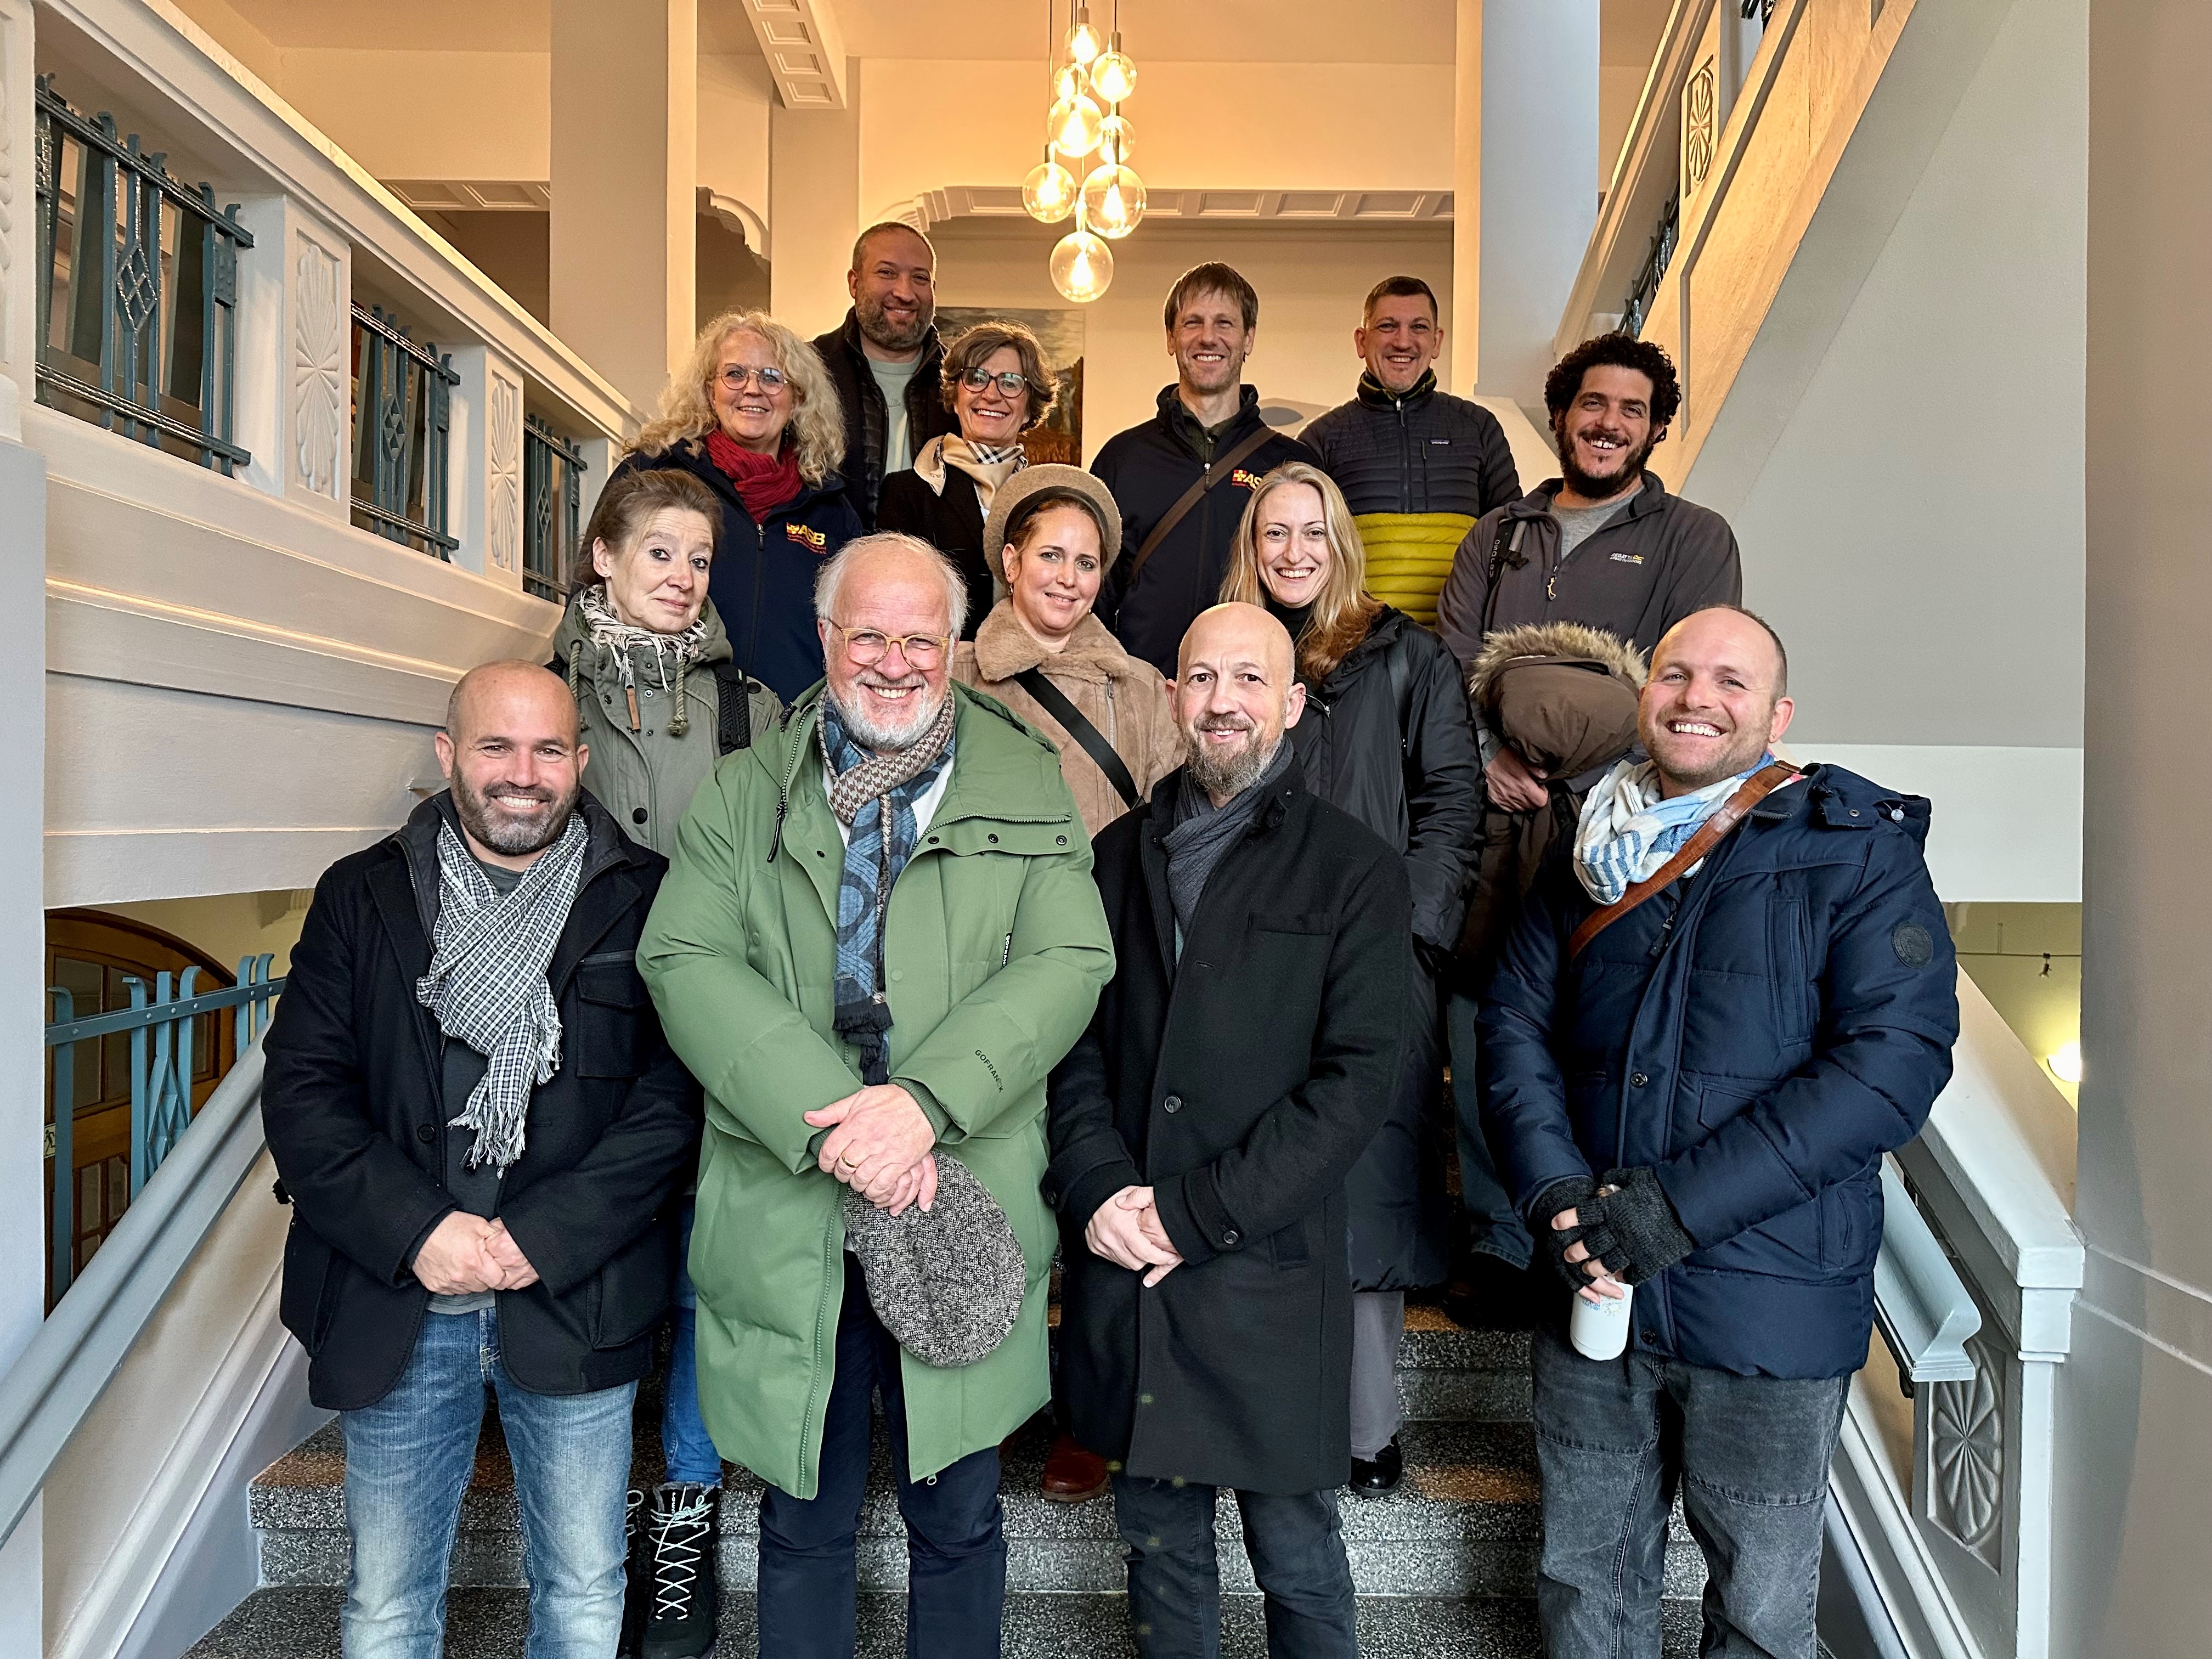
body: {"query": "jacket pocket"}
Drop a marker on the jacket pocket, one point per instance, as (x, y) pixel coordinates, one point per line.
(1790, 978)
(313, 1272)
(634, 1290)
(1719, 1106)
(1850, 1223)
(1287, 1245)
(612, 996)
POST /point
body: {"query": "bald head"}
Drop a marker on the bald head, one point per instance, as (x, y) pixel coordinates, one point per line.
(1236, 692)
(1715, 701)
(511, 752)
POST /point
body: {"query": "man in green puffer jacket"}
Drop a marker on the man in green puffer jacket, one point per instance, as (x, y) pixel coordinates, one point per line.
(870, 1051)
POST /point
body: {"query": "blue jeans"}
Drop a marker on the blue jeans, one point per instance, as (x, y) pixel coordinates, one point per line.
(1296, 1550)
(955, 1548)
(1493, 1228)
(684, 1442)
(408, 1461)
(1614, 1438)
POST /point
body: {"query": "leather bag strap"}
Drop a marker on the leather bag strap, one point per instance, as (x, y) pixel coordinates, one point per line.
(1190, 498)
(1756, 788)
(1056, 703)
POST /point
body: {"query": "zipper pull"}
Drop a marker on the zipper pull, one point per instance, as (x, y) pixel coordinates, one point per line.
(1006, 954)
(630, 692)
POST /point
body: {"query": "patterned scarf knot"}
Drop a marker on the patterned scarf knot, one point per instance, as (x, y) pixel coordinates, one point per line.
(1627, 830)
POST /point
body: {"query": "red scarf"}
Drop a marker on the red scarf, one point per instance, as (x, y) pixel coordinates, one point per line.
(763, 484)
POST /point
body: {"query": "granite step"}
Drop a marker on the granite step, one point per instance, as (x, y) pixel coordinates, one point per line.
(302, 1623)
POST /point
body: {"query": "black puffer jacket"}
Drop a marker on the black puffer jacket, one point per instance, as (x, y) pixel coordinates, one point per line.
(1387, 737)
(1426, 451)
(867, 418)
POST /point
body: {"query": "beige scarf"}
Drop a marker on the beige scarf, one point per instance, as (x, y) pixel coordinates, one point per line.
(989, 464)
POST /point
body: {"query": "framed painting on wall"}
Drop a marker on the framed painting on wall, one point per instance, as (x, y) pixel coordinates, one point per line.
(1058, 437)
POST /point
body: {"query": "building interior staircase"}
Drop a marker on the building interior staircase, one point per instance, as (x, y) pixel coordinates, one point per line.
(1445, 1565)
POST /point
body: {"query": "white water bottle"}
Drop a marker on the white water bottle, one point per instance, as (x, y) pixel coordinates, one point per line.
(1599, 1329)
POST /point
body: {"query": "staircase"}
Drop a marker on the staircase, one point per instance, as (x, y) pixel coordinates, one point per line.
(1445, 1565)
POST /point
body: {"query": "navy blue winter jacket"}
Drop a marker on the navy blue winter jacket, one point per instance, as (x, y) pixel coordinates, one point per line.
(1760, 1034)
(762, 578)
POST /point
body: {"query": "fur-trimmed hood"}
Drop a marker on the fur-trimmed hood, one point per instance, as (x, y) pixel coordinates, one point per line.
(1553, 642)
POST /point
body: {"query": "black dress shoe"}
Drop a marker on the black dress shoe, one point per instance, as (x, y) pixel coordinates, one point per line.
(1379, 1477)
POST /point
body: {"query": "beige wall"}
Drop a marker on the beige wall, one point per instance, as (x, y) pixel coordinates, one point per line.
(2136, 1455)
(229, 926)
(2027, 960)
(1310, 285)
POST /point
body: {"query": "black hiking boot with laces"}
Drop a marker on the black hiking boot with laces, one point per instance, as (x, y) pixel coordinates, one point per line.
(679, 1569)
(637, 1589)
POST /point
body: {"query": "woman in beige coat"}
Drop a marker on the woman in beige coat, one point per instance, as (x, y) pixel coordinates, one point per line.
(1053, 533)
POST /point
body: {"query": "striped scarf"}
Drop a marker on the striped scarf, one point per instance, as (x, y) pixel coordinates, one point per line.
(487, 980)
(989, 464)
(1627, 831)
(881, 844)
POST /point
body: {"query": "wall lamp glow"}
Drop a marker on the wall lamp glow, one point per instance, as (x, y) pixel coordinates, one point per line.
(2066, 1064)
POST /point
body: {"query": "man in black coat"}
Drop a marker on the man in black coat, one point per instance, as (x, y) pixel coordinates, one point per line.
(479, 1128)
(1208, 431)
(1202, 1132)
(885, 358)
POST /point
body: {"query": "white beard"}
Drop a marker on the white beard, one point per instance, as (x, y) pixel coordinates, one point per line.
(886, 737)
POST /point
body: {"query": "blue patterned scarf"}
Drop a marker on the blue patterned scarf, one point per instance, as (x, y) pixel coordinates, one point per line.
(880, 844)
(1627, 831)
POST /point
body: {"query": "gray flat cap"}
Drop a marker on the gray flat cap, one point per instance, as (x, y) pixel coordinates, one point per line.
(947, 1282)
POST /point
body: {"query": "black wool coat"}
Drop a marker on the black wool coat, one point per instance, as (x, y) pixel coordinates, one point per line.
(353, 1105)
(868, 419)
(951, 523)
(1242, 1085)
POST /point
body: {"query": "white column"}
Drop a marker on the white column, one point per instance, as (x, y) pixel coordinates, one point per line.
(1524, 185)
(23, 743)
(486, 477)
(294, 355)
(814, 209)
(625, 161)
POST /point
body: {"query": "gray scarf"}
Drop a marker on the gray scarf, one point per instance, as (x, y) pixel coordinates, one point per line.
(487, 980)
(1203, 832)
(628, 646)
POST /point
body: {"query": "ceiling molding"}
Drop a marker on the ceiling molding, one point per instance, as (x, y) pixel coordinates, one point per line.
(1366, 207)
(735, 215)
(472, 195)
(804, 49)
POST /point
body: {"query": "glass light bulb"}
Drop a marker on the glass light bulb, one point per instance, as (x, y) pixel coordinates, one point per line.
(1048, 193)
(1113, 201)
(1070, 82)
(1081, 266)
(2066, 1064)
(1072, 127)
(1083, 41)
(1116, 139)
(1113, 74)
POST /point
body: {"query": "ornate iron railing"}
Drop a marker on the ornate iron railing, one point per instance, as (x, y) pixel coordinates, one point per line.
(160, 1024)
(1648, 275)
(552, 486)
(401, 418)
(137, 289)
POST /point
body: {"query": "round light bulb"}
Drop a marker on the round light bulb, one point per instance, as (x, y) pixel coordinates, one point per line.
(1083, 41)
(1113, 74)
(1113, 201)
(1072, 127)
(1082, 266)
(1116, 139)
(1070, 82)
(2066, 1064)
(1048, 193)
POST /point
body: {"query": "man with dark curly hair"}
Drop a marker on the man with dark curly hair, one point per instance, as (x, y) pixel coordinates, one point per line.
(1603, 545)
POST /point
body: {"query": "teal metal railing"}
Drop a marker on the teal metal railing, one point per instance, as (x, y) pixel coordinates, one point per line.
(159, 1022)
(402, 396)
(137, 289)
(1644, 288)
(552, 489)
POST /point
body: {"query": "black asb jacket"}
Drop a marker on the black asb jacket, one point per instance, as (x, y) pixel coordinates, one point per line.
(354, 1106)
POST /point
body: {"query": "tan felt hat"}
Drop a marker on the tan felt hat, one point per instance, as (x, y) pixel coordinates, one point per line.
(1007, 499)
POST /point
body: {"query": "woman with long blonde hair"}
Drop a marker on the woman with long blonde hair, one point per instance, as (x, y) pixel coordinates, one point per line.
(1387, 737)
(753, 415)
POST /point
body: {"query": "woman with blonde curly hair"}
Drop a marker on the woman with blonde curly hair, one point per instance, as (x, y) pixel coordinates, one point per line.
(754, 416)
(1387, 737)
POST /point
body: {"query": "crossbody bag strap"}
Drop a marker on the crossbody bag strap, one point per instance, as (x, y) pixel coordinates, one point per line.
(1756, 788)
(1055, 703)
(1190, 498)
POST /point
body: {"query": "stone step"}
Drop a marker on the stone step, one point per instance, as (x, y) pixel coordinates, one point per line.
(1464, 1523)
(302, 1623)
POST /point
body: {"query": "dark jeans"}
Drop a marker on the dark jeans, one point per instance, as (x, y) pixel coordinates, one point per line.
(956, 1550)
(1613, 1440)
(1492, 1226)
(1175, 1587)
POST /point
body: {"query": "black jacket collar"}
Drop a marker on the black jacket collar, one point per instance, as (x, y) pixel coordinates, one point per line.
(1375, 395)
(932, 347)
(1537, 503)
(695, 461)
(1181, 425)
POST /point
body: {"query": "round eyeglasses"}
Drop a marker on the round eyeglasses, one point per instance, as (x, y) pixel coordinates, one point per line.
(867, 647)
(771, 380)
(1009, 384)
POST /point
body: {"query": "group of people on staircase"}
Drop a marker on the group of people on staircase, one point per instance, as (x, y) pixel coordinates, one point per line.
(914, 867)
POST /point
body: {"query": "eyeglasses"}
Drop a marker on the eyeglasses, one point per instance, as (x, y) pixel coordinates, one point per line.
(771, 380)
(867, 647)
(1009, 384)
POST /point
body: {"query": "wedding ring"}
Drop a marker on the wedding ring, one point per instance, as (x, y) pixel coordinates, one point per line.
(849, 1162)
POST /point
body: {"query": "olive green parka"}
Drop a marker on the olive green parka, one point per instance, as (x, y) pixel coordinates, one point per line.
(995, 948)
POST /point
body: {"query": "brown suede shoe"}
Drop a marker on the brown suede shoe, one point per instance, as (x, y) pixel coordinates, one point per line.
(1072, 1475)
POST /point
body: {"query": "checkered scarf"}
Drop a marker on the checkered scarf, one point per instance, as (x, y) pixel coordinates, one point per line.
(487, 980)
(881, 844)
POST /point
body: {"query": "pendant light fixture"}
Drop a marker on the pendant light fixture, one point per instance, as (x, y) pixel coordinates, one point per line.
(1088, 77)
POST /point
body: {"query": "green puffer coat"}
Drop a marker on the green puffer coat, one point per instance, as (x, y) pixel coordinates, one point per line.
(995, 950)
(646, 777)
